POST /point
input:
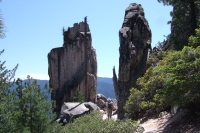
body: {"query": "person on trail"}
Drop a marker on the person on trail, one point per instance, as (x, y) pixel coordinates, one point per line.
(109, 108)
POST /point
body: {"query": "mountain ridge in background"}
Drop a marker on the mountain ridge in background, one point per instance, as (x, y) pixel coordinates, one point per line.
(104, 86)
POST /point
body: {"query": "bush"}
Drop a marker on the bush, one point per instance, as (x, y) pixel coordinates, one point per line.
(181, 84)
(141, 98)
(174, 81)
(78, 97)
(194, 41)
(93, 123)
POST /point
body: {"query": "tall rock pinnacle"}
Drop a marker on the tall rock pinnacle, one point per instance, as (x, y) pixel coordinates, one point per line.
(73, 67)
(135, 44)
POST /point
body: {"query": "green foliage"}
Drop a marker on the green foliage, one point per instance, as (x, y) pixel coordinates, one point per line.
(31, 108)
(28, 111)
(5, 98)
(133, 105)
(174, 81)
(184, 21)
(25, 108)
(1, 26)
(181, 86)
(141, 98)
(78, 97)
(156, 57)
(93, 123)
(194, 41)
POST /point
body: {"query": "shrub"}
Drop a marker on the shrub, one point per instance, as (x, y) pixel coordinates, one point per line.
(194, 41)
(174, 80)
(78, 97)
(93, 123)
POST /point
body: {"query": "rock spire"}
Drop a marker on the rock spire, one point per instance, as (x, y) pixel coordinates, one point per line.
(135, 44)
(73, 67)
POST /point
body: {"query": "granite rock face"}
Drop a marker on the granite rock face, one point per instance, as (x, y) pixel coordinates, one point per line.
(135, 45)
(73, 67)
(70, 111)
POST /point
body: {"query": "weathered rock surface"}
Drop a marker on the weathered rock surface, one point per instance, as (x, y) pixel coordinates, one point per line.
(70, 111)
(102, 97)
(101, 101)
(73, 67)
(135, 44)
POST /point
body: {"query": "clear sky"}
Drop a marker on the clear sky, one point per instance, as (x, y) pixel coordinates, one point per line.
(34, 27)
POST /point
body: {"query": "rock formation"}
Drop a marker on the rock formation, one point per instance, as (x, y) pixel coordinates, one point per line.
(71, 111)
(101, 102)
(73, 67)
(135, 45)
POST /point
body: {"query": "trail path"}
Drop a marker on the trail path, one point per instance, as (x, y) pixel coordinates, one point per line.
(114, 117)
(159, 124)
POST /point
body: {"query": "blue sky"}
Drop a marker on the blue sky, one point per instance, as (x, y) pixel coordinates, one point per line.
(34, 27)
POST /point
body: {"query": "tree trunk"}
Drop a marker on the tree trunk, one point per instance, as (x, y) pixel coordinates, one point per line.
(193, 17)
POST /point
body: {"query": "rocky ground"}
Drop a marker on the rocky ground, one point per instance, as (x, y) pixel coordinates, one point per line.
(182, 122)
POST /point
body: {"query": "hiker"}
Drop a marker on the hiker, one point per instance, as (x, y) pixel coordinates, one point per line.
(109, 108)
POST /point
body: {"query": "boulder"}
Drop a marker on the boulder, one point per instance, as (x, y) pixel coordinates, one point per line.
(73, 67)
(101, 104)
(101, 96)
(101, 101)
(135, 46)
(70, 111)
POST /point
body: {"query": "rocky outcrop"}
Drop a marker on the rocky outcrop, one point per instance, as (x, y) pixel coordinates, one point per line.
(73, 67)
(101, 101)
(71, 111)
(135, 45)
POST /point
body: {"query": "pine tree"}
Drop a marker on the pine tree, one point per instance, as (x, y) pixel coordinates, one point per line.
(184, 21)
(6, 97)
(24, 109)
(31, 108)
(1, 26)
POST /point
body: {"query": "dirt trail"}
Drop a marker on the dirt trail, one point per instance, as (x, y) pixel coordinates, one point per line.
(181, 122)
(158, 125)
(114, 117)
(154, 125)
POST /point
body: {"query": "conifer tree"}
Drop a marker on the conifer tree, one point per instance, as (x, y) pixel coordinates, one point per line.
(31, 108)
(6, 97)
(184, 21)
(1, 26)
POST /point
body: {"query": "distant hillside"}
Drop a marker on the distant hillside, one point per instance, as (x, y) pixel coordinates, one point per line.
(104, 86)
